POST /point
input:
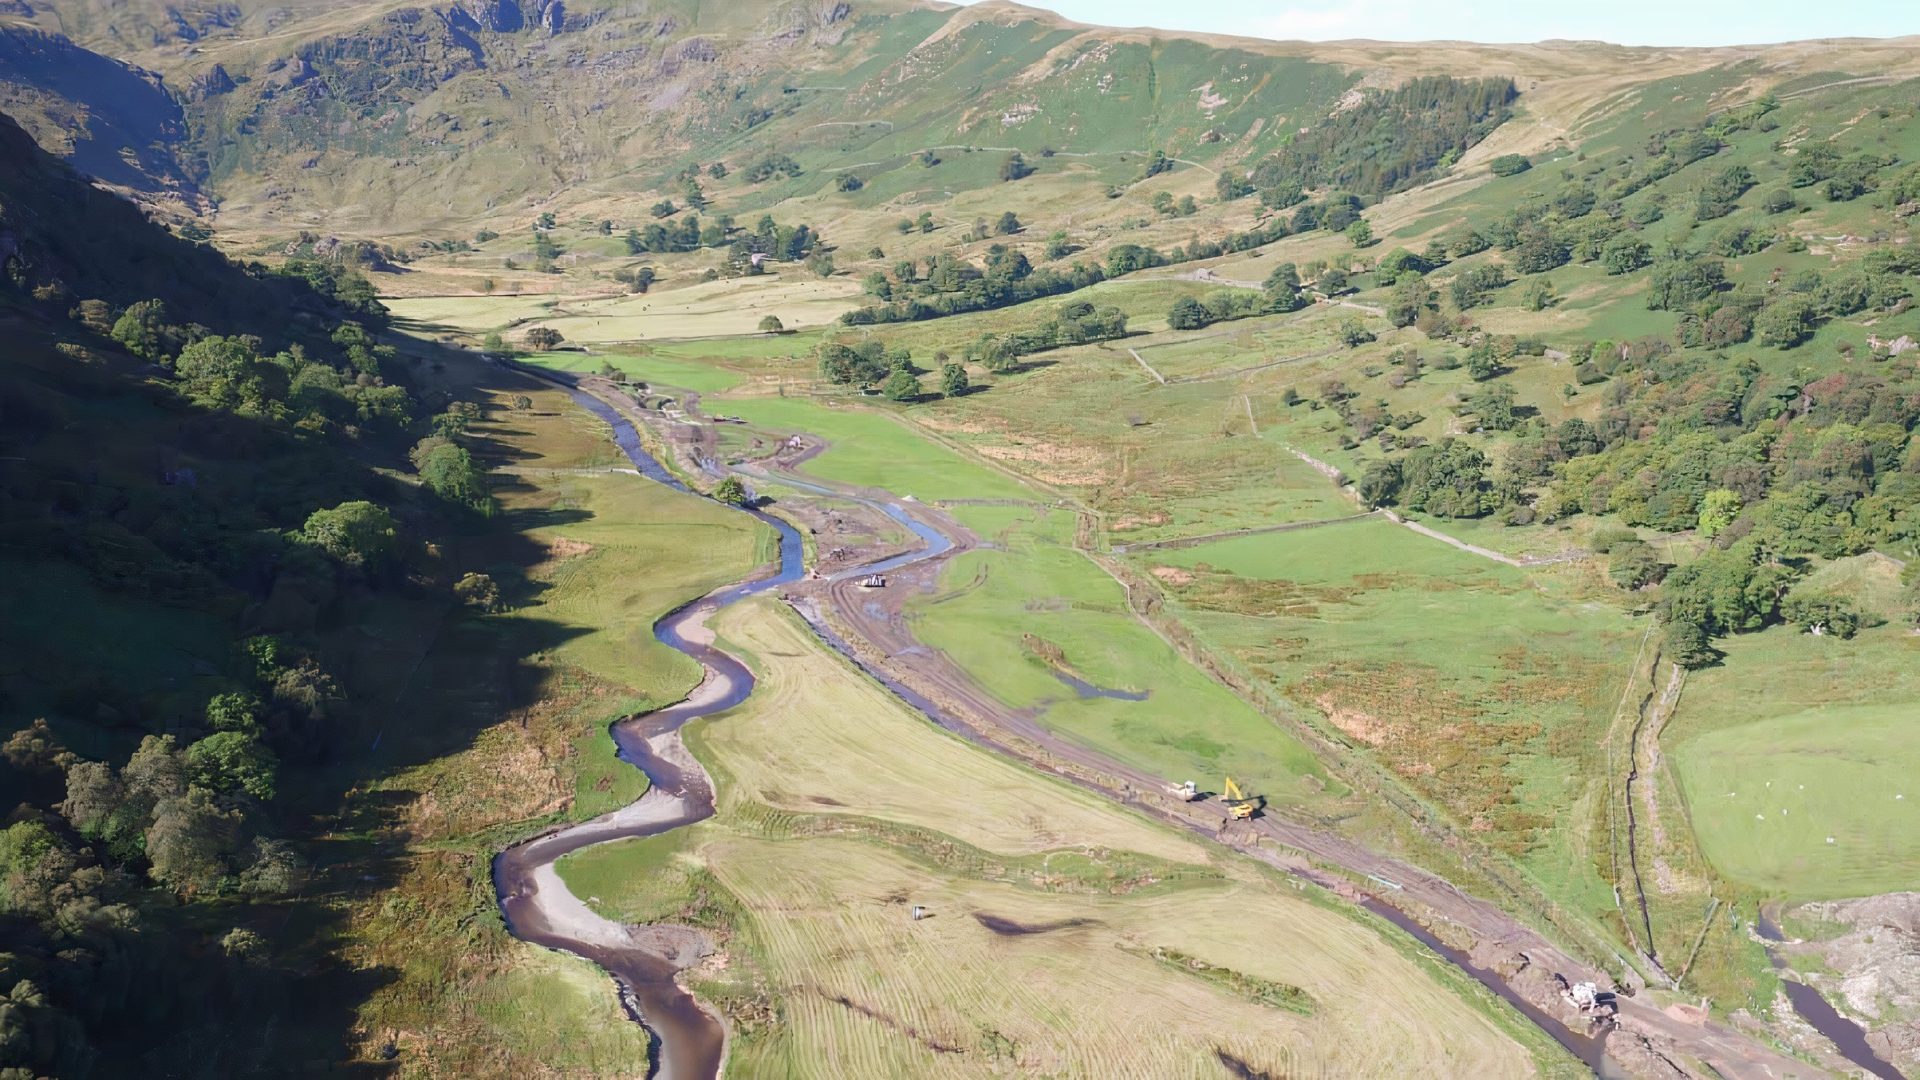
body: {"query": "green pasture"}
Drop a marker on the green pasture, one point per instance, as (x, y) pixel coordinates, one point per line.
(1187, 726)
(1819, 804)
(1821, 728)
(1483, 686)
(870, 449)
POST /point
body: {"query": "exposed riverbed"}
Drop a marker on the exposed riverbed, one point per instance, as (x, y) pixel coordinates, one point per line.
(536, 903)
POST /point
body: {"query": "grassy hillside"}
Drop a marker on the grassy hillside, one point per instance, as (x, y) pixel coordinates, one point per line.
(263, 621)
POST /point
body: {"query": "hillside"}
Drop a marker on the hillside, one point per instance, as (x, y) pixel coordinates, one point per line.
(199, 492)
(1501, 459)
(378, 120)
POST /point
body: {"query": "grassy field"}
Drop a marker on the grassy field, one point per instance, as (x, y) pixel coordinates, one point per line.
(872, 450)
(707, 309)
(1482, 686)
(812, 907)
(801, 737)
(1793, 740)
(702, 309)
(651, 366)
(1039, 584)
(1001, 612)
(1813, 805)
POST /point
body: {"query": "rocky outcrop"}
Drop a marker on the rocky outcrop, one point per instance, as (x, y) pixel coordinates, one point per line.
(699, 50)
(1875, 969)
(210, 83)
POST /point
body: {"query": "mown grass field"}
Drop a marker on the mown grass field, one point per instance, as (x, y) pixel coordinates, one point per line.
(644, 364)
(1795, 739)
(801, 737)
(696, 310)
(812, 905)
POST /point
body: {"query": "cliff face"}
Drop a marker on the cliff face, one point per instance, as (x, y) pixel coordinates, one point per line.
(112, 120)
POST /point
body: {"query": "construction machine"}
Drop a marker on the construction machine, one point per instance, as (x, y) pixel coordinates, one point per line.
(1239, 803)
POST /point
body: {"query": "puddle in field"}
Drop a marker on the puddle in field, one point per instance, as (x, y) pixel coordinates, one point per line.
(1083, 688)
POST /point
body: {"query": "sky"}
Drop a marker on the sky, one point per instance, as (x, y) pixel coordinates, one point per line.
(1626, 22)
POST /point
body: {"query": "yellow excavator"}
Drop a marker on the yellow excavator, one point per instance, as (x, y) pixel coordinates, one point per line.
(1240, 804)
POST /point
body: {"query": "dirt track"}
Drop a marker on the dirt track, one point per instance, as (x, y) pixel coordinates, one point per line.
(869, 625)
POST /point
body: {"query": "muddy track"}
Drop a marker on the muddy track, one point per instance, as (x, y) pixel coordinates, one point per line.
(1508, 956)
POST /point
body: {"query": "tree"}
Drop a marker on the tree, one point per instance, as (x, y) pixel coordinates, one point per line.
(229, 761)
(771, 324)
(901, 385)
(1785, 323)
(731, 491)
(1636, 565)
(1493, 406)
(1624, 254)
(143, 329)
(188, 841)
(1688, 645)
(1008, 224)
(1354, 333)
(477, 591)
(924, 222)
(358, 534)
(1821, 613)
(1361, 234)
(1540, 295)
(1446, 479)
(1015, 167)
(1718, 510)
(1380, 482)
(543, 338)
(235, 710)
(451, 473)
(1186, 314)
(1474, 286)
(1410, 296)
(1282, 288)
(1232, 184)
(1675, 286)
(1509, 164)
(953, 380)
